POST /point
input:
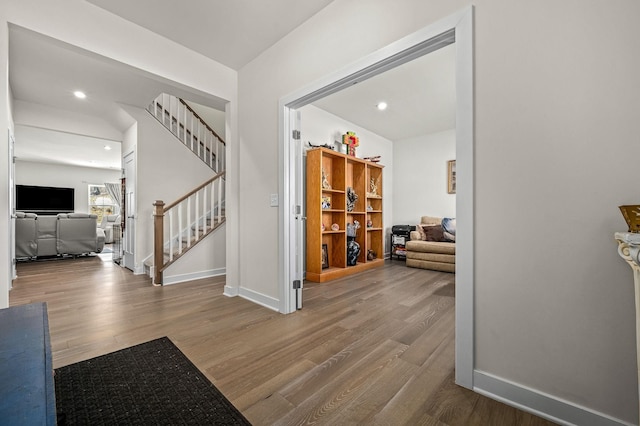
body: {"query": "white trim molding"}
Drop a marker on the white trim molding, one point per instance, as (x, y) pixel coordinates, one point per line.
(259, 298)
(180, 278)
(539, 403)
(456, 28)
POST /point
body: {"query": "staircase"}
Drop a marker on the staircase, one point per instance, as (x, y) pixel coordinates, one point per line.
(186, 125)
(181, 224)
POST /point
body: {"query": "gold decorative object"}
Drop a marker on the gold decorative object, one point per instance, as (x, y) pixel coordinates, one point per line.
(631, 215)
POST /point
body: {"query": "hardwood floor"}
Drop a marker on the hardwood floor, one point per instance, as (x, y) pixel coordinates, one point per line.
(373, 348)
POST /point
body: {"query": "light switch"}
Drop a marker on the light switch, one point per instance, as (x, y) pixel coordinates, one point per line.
(274, 200)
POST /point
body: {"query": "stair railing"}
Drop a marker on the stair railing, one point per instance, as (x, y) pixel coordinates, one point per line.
(181, 120)
(183, 223)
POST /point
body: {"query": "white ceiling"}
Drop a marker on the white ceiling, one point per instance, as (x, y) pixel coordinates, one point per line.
(50, 146)
(420, 95)
(231, 32)
(44, 71)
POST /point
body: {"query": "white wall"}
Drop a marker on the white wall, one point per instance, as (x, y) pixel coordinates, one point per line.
(420, 177)
(321, 127)
(206, 259)
(557, 90)
(79, 178)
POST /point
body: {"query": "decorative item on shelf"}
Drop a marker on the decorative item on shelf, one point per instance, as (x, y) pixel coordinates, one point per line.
(371, 254)
(322, 227)
(340, 147)
(373, 188)
(352, 197)
(353, 248)
(369, 223)
(326, 202)
(369, 207)
(325, 256)
(375, 159)
(325, 180)
(325, 145)
(335, 227)
(352, 141)
(631, 214)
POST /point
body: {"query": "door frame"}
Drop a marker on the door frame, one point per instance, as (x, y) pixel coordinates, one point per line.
(458, 26)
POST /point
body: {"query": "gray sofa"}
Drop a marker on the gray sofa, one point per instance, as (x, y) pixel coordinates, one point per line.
(64, 234)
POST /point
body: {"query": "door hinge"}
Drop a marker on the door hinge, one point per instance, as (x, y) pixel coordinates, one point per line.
(296, 135)
(296, 284)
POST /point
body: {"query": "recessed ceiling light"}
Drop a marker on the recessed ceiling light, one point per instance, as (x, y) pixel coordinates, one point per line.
(80, 95)
(382, 106)
(107, 148)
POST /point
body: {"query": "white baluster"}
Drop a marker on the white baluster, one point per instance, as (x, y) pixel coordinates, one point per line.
(213, 203)
(219, 199)
(204, 210)
(180, 227)
(184, 140)
(197, 221)
(165, 100)
(217, 169)
(171, 235)
(189, 222)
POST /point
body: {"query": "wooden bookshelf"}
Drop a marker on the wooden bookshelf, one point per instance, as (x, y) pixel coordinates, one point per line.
(327, 204)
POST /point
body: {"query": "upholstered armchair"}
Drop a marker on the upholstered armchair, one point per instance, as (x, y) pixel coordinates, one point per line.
(107, 225)
(78, 233)
(26, 235)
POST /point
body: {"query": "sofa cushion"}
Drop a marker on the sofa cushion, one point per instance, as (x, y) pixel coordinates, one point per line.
(431, 247)
(430, 220)
(434, 266)
(433, 232)
(433, 257)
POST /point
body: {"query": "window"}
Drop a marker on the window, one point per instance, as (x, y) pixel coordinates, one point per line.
(100, 202)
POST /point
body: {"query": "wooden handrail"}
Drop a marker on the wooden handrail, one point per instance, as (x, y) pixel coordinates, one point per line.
(202, 121)
(189, 194)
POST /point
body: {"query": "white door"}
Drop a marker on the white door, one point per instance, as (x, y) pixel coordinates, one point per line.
(128, 243)
(299, 224)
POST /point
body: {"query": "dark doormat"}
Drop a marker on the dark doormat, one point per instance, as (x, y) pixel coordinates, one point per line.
(148, 384)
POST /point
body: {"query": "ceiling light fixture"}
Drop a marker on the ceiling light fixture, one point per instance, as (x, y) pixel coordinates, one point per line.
(382, 106)
(80, 95)
(107, 148)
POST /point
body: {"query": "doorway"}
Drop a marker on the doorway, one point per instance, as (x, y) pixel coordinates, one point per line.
(457, 28)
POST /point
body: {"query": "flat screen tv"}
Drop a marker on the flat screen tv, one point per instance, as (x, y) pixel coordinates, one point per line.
(44, 199)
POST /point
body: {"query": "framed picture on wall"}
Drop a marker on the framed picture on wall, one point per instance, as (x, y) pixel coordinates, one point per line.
(451, 176)
(325, 256)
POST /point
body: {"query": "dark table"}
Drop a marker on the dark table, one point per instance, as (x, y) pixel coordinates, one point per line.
(27, 394)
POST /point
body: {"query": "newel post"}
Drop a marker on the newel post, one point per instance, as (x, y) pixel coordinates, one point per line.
(158, 241)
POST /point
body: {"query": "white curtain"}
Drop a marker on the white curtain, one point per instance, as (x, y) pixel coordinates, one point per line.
(113, 189)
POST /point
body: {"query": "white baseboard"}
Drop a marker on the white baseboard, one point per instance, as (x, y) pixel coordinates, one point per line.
(139, 270)
(231, 291)
(174, 279)
(259, 298)
(539, 403)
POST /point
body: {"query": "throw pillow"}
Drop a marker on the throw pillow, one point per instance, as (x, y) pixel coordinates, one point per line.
(433, 232)
(449, 225)
(448, 237)
(423, 236)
